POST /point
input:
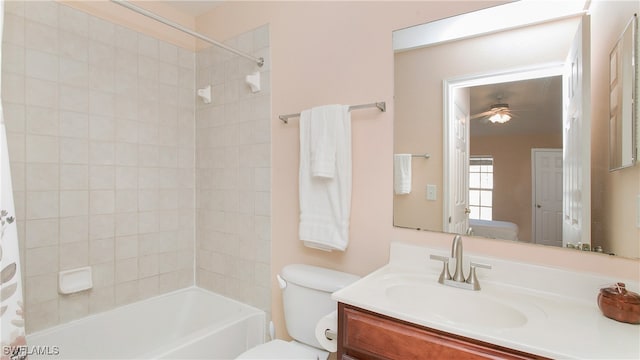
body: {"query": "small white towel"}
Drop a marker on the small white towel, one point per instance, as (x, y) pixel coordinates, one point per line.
(402, 174)
(324, 124)
(325, 201)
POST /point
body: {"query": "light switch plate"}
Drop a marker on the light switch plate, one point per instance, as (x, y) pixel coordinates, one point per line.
(431, 192)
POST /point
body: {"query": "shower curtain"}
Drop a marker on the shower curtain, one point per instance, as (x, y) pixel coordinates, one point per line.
(12, 331)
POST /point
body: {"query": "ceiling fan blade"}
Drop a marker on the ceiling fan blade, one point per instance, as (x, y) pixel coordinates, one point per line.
(486, 113)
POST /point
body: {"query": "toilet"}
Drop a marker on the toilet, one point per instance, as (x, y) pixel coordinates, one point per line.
(306, 297)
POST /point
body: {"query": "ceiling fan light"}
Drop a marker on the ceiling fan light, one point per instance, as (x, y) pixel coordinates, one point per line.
(500, 118)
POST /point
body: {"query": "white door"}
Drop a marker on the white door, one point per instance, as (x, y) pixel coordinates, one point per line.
(459, 185)
(547, 196)
(576, 221)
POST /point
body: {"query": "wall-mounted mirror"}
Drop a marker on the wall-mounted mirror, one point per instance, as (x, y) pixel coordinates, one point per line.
(623, 120)
(505, 115)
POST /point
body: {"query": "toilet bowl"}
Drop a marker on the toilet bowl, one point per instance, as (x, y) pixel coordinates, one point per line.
(306, 297)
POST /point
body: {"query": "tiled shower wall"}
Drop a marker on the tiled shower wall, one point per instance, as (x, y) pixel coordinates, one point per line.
(100, 123)
(233, 171)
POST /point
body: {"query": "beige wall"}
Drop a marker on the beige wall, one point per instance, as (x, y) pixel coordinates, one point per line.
(418, 76)
(617, 191)
(512, 174)
(340, 52)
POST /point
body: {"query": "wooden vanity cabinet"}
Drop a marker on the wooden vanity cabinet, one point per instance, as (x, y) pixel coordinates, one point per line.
(364, 335)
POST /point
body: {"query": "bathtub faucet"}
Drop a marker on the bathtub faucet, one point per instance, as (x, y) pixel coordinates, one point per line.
(458, 279)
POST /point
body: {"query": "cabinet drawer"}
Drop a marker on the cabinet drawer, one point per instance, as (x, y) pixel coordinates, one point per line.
(366, 335)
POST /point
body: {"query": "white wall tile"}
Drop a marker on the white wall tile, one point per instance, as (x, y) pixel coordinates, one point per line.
(43, 315)
(74, 21)
(73, 229)
(101, 299)
(15, 117)
(126, 247)
(126, 270)
(42, 176)
(73, 99)
(126, 154)
(101, 30)
(101, 226)
(101, 177)
(74, 151)
(102, 202)
(74, 46)
(74, 203)
(101, 153)
(147, 46)
(45, 12)
(14, 28)
(126, 292)
(42, 204)
(13, 88)
(126, 201)
(42, 260)
(73, 124)
(41, 288)
(74, 72)
(74, 306)
(101, 128)
(41, 65)
(74, 255)
(102, 251)
(41, 233)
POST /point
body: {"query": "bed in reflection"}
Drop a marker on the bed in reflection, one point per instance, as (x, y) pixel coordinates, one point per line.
(494, 229)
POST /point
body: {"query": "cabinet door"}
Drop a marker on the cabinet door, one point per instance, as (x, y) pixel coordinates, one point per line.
(365, 335)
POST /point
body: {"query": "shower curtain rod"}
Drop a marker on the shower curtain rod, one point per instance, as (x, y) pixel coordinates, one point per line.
(149, 14)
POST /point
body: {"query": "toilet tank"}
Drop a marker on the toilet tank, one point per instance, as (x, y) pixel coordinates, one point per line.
(306, 298)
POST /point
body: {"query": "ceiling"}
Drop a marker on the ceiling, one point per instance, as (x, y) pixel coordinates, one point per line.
(192, 7)
(536, 105)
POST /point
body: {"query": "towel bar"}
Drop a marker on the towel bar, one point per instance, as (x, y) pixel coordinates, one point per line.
(382, 106)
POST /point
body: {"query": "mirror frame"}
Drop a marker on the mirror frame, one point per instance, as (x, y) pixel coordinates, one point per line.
(616, 123)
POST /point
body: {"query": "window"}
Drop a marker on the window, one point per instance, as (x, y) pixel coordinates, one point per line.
(481, 187)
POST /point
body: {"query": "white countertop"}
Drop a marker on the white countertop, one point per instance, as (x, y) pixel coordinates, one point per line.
(562, 316)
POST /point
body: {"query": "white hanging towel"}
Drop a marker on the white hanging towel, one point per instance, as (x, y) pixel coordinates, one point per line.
(402, 174)
(325, 198)
(323, 136)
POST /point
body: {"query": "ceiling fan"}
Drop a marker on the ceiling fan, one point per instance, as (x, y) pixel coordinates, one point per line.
(498, 113)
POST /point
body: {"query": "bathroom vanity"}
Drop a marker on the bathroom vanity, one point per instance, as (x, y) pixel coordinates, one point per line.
(368, 335)
(522, 311)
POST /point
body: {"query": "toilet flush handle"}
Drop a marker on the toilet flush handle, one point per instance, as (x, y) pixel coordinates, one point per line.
(281, 282)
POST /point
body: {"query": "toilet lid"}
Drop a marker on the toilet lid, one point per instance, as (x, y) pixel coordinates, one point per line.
(280, 349)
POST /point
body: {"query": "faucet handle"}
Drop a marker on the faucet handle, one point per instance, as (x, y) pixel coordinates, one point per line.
(480, 265)
(445, 274)
(473, 279)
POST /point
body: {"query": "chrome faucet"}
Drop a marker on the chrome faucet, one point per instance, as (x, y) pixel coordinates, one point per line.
(458, 280)
(456, 253)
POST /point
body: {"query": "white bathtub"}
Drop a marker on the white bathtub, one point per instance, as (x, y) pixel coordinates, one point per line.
(191, 323)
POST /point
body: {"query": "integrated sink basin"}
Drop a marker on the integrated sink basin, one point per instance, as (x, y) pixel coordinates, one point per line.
(424, 296)
(527, 307)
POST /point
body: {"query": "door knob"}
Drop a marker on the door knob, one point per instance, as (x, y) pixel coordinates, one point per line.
(467, 211)
(538, 206)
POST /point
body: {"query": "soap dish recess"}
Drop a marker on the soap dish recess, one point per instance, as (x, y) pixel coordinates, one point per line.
(74, 280)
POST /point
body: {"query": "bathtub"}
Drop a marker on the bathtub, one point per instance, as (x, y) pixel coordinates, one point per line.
(191, 323)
